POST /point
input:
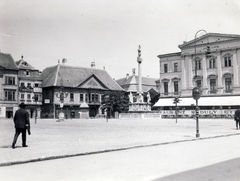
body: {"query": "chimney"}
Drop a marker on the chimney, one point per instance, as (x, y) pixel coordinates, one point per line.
(127, 76)
(64, 61)
(92, 64)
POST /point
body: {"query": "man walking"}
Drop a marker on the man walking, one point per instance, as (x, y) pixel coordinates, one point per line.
(237, 118)
(22, 123)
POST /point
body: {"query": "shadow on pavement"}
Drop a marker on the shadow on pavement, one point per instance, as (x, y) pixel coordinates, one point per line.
(223, 171)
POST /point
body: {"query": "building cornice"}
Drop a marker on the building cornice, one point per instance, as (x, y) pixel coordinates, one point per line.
(169, 55)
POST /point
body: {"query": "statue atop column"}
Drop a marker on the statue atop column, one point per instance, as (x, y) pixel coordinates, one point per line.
(139, 59)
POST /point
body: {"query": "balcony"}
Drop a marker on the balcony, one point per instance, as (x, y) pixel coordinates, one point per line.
(228, 91)
(25, 89)
(212, 91)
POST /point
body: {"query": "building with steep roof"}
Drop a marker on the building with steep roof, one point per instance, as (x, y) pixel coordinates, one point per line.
(130, 85)
(30, 87)
(79, 84)
(8, 86)
(216, 74)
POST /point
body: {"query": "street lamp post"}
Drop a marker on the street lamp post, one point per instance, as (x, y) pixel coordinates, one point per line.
(176, 101)
(196, 92)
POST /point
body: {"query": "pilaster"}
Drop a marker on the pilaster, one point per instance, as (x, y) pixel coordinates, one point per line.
(190, 81)
(219, 71)
(183, 71)
(204, 67)
(235, 69)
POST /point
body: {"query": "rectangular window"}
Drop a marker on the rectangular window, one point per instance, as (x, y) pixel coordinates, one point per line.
(71, 97)
(22, 96)
(213, 85)
(96, 98)
(199, 83)
(228, 84)
(28, 96)
(28, 84)
(36, 85)
(86, 97)
(9, 80)
(165, 68)
(22, 84)
(10, 95)
(212, 63)
(175, 87)
(199, 65)
(175, 67)
(81, 97)
(227, 61)
(165, 85)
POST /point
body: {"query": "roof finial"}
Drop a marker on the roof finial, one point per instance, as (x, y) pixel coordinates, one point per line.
(22, 56)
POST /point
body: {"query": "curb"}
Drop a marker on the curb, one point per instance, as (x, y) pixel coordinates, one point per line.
(110, 150)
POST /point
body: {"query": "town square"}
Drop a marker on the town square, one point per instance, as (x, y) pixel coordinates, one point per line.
(119, 90)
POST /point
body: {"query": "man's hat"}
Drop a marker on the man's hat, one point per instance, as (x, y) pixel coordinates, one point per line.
(22, 105)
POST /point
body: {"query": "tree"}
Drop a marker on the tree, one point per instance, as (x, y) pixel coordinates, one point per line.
(115, 101)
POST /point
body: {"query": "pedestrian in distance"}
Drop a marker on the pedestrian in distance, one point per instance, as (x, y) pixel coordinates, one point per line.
(237, 118)
(22, 125)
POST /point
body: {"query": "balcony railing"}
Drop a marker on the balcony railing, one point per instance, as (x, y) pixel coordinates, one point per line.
(228, 91)
(25, 89)
(213, 91)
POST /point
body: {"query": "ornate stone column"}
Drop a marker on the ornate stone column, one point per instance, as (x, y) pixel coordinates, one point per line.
(139, 60)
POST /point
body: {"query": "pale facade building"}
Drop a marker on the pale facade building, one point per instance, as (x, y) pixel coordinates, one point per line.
(216, 74)
(8, 86)
(30, 88)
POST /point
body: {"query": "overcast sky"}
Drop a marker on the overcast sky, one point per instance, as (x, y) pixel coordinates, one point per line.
(108, 31)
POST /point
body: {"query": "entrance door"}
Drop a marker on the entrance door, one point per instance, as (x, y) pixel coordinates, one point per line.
(9, 114)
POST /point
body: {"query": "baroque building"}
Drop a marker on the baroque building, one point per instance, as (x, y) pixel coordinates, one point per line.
(130, 85)
(67, 88)
(30, 87)
(8, 86)
(216, 74)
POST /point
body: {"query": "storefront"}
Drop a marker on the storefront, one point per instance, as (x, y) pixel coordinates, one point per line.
(210, 107)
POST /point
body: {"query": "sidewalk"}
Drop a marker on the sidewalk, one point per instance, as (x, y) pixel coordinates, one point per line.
(51, 139)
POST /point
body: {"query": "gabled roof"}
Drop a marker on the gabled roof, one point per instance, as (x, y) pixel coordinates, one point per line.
(130, 83)
(7, 62)
(210, 38)
(22, 64)
(78, 77)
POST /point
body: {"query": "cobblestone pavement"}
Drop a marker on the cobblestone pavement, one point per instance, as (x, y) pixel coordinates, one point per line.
(51, 139)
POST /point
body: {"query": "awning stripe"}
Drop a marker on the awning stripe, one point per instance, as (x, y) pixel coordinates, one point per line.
(203, 101)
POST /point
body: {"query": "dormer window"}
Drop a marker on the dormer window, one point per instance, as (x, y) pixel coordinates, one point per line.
(25, 64)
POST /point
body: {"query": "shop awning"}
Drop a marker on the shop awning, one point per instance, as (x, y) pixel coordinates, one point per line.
(203, 101)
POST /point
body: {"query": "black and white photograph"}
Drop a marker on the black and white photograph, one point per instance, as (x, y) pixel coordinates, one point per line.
(119, 90)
